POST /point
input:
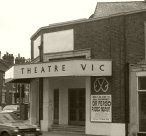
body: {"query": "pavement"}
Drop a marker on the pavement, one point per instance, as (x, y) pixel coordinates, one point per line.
(61, 134)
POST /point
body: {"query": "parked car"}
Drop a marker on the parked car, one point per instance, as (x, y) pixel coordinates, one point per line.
(11, 108)
(10, 125)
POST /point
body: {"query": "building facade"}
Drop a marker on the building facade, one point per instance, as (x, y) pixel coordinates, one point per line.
(7, 91)
(90, 72)
(13, 93)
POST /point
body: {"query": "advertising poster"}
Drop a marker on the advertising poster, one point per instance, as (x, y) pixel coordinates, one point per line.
(101, 108)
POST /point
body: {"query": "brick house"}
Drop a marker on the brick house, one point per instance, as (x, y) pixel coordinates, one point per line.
(10, 92)
(7, 90)
(82, 72)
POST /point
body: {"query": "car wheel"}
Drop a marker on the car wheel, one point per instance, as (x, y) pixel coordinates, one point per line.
(5, 134)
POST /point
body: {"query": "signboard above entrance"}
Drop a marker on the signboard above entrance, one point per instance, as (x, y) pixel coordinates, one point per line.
(61, 68)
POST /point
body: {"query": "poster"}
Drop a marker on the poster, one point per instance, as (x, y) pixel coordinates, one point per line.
(101, 108)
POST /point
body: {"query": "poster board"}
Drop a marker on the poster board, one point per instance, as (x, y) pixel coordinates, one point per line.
(101, 108)
(101, 99)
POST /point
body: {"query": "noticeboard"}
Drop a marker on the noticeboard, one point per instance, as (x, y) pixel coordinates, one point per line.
(101, 108)
(101, 99)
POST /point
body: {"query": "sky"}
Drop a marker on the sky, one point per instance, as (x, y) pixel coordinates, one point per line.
(20, 19)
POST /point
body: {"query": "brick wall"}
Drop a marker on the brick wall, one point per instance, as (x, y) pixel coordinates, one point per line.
(119, 38)
(135, 37)
(107, 40)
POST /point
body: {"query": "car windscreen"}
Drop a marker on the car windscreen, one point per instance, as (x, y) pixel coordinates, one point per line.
(7, 118)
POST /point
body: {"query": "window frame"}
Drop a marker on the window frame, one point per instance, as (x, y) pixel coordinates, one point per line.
(138, 92)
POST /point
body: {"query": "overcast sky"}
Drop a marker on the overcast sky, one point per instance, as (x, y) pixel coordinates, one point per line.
(20, 19)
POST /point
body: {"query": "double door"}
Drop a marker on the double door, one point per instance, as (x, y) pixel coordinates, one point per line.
(76, 106)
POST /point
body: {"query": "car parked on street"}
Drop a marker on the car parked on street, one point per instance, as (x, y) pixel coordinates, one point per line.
(11, 108)
(10, 125)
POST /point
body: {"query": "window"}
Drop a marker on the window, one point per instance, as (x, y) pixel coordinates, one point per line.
(3, 96)
(3, 79)
(27, 86)
(27, 89)
(14, 85)
(13, 98)
(142, 83)
(26, 99)
(142, 103)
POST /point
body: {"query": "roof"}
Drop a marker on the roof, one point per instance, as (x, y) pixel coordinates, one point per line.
(104, 9)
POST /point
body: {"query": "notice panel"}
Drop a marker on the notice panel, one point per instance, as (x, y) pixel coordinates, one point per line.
(101, 109)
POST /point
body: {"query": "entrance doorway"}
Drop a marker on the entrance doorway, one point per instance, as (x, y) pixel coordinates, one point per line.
(76, 106)
(56, 106)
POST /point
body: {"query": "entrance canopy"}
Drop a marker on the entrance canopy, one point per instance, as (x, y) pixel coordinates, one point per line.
(60, 68)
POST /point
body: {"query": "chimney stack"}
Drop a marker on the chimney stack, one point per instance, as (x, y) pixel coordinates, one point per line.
(19, 60)
(8, 58)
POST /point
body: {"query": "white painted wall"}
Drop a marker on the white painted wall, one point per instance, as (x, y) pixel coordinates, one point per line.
(36, 43)
(47, 106)
(59, 41)
(34, 116)
(133, 125)
(63, 83)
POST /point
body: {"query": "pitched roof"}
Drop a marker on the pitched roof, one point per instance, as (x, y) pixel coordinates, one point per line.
(104, 9)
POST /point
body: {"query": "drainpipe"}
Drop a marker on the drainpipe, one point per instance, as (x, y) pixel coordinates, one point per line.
(41, 83)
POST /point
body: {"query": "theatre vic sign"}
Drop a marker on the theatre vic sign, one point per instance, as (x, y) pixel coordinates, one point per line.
(61, 68)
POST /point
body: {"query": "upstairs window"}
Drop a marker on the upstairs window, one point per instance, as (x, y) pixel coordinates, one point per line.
(3, 79)
(141, 83)
(3, 96)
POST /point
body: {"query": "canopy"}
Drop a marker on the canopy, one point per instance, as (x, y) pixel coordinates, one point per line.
(59, 68)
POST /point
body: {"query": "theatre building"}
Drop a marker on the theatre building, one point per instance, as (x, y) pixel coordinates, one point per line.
(90, 73)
